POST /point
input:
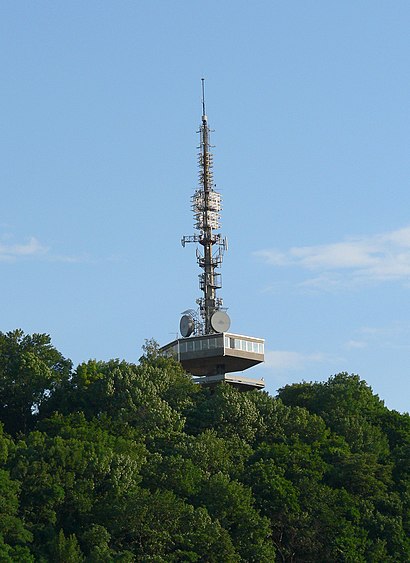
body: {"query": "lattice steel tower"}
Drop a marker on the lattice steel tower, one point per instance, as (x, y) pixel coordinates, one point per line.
(206, 205)
(206, 349)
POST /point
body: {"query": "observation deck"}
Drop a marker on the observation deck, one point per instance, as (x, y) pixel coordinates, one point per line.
(210, 357)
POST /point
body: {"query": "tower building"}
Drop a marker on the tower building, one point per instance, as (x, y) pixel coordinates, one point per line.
(207, 349)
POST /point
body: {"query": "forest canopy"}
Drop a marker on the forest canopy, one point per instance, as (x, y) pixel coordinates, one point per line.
(115, 461)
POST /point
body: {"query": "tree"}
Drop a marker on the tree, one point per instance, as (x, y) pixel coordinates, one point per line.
(121, 462)
(232, 504)
(15, 539)
(66, 550)
(30, 369)
(72, 472)
(227, 411)
(161, 527)
(147, 396)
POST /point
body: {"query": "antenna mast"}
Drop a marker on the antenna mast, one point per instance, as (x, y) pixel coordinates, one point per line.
(203, 97)
(206, 205)
(207, 349)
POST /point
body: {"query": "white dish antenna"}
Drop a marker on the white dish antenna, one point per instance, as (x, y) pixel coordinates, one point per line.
(220, 321)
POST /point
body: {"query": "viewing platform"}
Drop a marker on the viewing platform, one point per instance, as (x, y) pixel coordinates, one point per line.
(211, 357)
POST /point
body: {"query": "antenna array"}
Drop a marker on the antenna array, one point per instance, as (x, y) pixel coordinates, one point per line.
(206, 207)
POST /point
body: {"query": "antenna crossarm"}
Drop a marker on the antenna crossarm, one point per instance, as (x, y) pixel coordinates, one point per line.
(190, 238)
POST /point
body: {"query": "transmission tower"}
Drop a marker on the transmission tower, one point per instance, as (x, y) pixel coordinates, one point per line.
(206, 206)
(207, 350)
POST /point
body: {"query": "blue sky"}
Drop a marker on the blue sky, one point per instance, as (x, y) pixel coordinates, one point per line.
(100, 103)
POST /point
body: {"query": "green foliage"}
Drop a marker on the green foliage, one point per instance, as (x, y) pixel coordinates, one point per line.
(228, 412)
(66, 550)
(149, 397)
(348, 407)
(232, 504)
(160, 526)
(10, 554)
(74, 470)
(30, 369)
(120, 462)
(14, 536)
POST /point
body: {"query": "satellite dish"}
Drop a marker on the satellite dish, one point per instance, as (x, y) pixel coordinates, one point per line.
(186, 326)
(220, 321)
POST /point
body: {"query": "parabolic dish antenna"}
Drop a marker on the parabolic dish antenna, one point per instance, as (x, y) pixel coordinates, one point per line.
(220, 321)
(186, 325)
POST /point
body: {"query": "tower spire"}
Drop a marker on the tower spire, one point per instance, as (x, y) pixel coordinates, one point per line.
(206, 205)
(203, 98)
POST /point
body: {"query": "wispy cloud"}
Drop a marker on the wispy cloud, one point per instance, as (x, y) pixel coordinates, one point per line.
(393, 336)
(29, 249)
(33, 249)
(285, 360)
(80, 259)
(356, 260)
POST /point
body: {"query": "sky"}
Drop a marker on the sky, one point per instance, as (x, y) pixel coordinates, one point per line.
(309, 103)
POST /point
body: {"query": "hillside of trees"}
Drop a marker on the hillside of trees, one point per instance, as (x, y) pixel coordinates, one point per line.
(113, 461)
